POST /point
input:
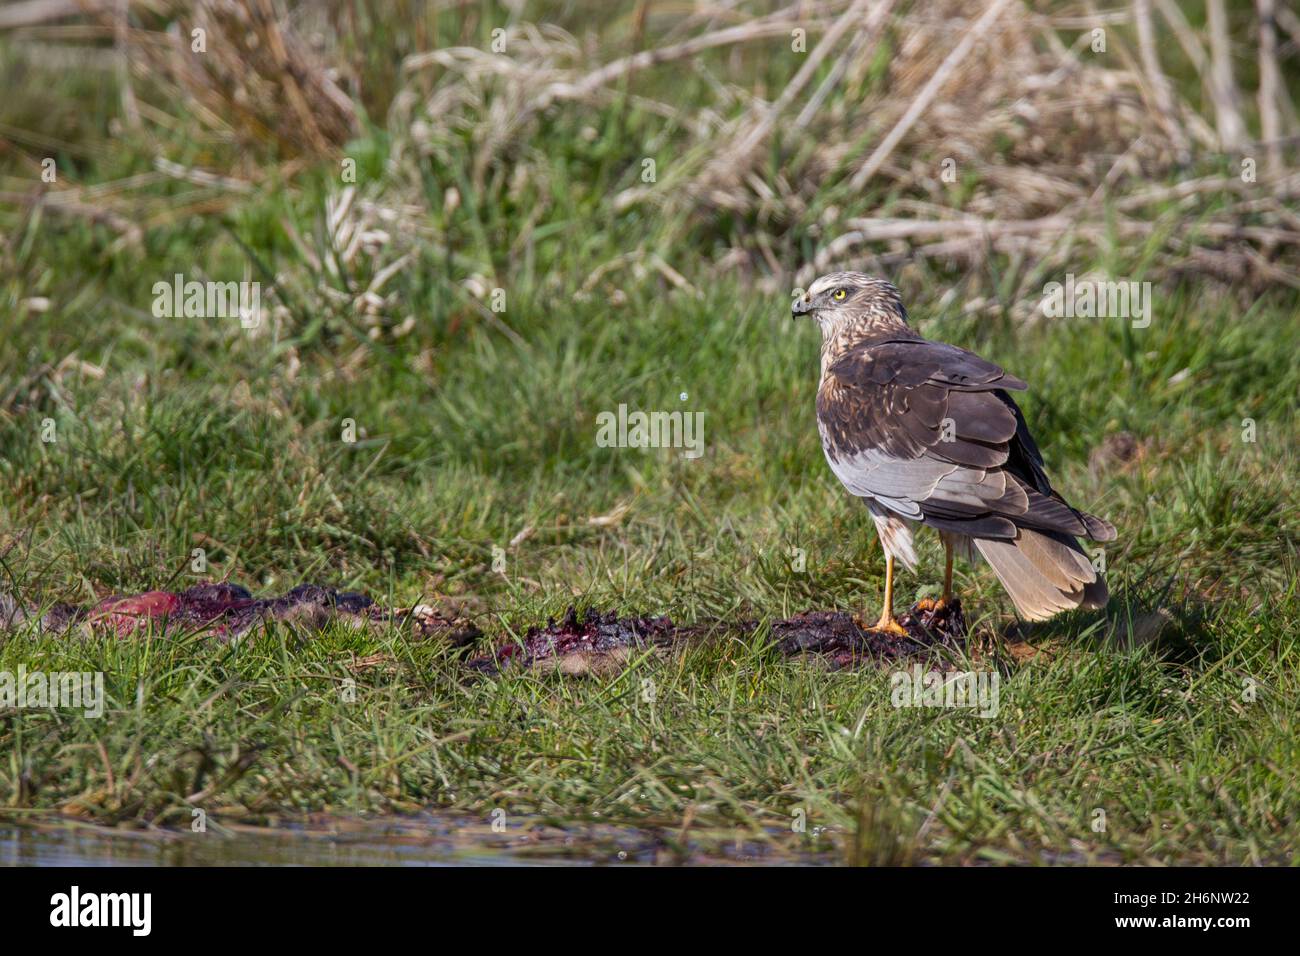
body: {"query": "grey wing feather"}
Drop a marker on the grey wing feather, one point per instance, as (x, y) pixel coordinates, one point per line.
(927, 430)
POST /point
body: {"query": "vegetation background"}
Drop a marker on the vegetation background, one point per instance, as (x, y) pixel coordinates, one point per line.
(646, 183)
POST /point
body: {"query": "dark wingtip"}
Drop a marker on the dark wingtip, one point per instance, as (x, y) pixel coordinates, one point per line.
(1098, 529)
(1012, 383)
(1095, 595)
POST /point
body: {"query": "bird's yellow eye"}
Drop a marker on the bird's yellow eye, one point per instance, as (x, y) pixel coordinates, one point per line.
(840, 295)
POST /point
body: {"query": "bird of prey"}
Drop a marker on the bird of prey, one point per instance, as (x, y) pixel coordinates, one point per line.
(927, 434)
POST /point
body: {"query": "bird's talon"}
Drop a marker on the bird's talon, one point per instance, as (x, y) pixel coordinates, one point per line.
(932, 605)
(889, 627)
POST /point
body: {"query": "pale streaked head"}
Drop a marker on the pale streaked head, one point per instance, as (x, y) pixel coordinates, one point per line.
(841, 299)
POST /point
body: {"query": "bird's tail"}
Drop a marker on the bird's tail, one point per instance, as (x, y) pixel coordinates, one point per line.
(1045, 572)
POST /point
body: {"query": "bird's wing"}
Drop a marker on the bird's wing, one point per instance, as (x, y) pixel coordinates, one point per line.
(929, 432)
(916, 361)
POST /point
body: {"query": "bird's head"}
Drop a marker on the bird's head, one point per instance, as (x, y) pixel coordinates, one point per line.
(851, 303)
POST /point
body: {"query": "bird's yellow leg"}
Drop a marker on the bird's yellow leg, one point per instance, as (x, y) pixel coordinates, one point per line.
(887, 622)
(947, 574)
(929, 604)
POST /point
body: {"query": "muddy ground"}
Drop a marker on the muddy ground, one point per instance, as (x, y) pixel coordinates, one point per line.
(581, 642)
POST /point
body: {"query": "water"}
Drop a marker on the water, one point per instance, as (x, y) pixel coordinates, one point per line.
(423, 840)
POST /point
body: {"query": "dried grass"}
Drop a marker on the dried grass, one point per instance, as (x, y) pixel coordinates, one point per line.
(1062, 144)
(1060, 152)
(254, 79)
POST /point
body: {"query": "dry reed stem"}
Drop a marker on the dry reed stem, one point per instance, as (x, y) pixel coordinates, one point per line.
(927, 95)
(1232, 129)
(1270, 87)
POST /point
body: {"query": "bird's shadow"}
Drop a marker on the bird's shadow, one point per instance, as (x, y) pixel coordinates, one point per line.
(1176, 629)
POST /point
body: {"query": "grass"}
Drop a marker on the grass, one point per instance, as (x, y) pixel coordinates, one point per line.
(176, 434)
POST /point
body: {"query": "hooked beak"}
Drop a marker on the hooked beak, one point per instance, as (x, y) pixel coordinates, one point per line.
(801, 306)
